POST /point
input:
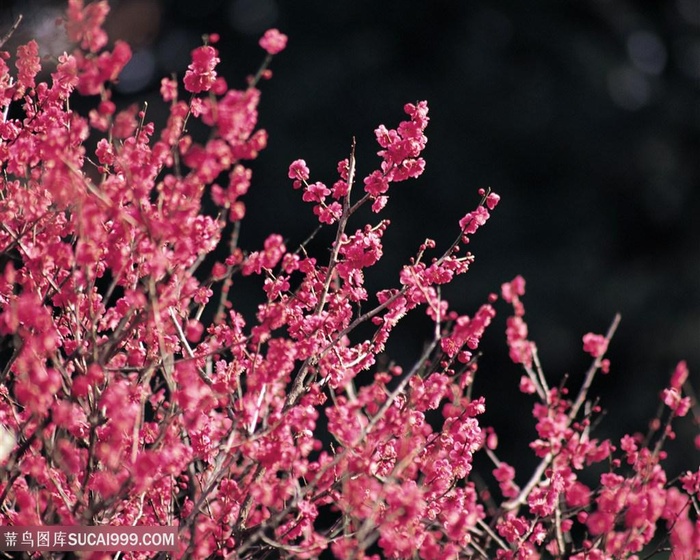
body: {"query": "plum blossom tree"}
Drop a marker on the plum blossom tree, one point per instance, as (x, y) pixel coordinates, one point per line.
(134, 393)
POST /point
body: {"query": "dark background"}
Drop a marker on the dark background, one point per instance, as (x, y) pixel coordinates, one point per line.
(583, 115)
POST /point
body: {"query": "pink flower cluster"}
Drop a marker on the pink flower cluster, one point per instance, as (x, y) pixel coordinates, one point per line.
(200, 75)
(137, 393)
(400, 153)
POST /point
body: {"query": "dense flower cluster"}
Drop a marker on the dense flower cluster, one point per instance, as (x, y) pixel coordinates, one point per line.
(132, 391)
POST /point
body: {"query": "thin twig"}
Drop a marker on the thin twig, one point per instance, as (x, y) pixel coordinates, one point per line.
(298, 385)
(590, 374)
(534, 481)
(15, 25)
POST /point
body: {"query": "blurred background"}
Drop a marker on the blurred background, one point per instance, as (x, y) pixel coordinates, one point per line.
(584, 116)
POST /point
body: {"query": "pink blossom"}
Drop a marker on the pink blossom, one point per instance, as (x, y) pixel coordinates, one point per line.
(362, 249)
(672, 399)
(200, 73)
(376, 183)
(299, 171)
(680, 375)
(84, 24)
(578, 495)
(520, 348)
(527, 386)
(379, 204)
(492, 200)
(268, 258)
(315, 192)
(691, 482)
(543, 499)
(168, 89)
(28, 64)
(160, 368)
(512, 528)
(599, 523)
(474, 220)
(594, 344)
(328, 214)
(505, 474)
(513, 289)
(273, 41)
(401, 148)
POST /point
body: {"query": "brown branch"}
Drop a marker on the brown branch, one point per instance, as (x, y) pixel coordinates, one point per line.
(6, 37)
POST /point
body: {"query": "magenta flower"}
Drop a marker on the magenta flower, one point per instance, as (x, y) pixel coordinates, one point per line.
(273, 41)
(200, 75)
(162, 366)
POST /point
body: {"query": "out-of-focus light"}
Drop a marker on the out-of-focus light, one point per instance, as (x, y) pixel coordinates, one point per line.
(629, 88)
(138, 73)
(39, 23)
(196, 10)
(252, 16)
(687, 56)
(647, 52)
(173, 49)
(689, 11)
(138, 22)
